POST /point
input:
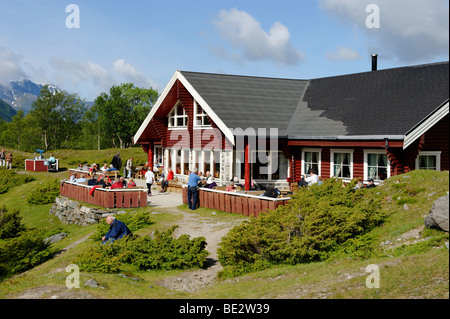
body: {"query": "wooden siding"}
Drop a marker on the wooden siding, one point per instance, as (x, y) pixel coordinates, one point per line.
(243, 204)
(115, 198)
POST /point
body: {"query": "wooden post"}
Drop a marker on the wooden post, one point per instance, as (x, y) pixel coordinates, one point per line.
(247, 167)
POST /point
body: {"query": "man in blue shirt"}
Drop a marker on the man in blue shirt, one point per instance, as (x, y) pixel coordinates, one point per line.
(192, 189)
(117, 230)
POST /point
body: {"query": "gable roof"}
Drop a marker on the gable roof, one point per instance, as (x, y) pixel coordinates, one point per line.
(380, 104)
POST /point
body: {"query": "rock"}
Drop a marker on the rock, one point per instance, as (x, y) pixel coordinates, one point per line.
(55, 238)
(438, 216)
(405, 207)
(94, 284)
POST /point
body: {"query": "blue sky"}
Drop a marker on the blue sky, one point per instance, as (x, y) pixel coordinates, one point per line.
(145, 42)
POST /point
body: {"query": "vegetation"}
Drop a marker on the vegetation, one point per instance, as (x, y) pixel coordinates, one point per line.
(20, 248)
(317, 221)
(146, 253)
(44, 194)
(9, 179)
(63, 121)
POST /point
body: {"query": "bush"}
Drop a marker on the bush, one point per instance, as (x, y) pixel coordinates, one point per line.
(10, 179)
(20, 249)
(315, 222)
(45, 194)
(161, 252)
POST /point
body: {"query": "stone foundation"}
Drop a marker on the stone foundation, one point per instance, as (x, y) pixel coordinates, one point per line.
(71, 212)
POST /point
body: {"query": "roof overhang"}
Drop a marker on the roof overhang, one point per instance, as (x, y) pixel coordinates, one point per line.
(179, 76)
(428, 122)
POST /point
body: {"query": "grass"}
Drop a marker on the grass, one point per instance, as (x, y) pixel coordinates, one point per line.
(416, 270)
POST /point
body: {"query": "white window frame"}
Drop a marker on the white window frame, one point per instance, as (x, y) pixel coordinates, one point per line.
(173, 114)
(202, 117)
(430, 153)
(315, 150)
(366, 164)
(337, 150)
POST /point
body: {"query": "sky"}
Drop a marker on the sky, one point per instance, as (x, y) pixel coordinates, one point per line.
(85, 47)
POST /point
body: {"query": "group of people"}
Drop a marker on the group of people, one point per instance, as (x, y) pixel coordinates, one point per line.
(103, 181)
(6, 159)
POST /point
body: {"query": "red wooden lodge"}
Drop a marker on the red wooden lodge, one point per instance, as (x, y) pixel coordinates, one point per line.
(357, 126)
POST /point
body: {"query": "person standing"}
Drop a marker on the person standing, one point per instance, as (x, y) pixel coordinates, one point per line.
(149, 179)
(117, 162)
(8, 159)
(192, 189)
(2, 158)
(129, 167)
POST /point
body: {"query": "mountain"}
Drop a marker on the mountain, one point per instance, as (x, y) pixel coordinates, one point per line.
(6, 111)
(22, 94)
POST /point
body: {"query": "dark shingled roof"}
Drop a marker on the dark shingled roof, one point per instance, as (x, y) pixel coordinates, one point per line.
(384, 102)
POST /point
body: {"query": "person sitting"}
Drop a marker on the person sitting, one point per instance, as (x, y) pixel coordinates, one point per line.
(202, 183)
(123, 181)
(82, 179)
(104, 168)
(93, 168)
(92, 181)
(73, 178)
(117, 230)
(164, 182)
(371, 183)
(170, 175)
(272, 192)
(117, 184)
(131, 183)
(230, 187)
(210, 181)
(313, 178)
(105, 183)
(111, 168)
(51, 161)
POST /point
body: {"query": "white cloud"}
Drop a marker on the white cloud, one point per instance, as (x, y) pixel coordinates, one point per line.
(84, 71)
(343, 53)
(10, 69)
(409, 31)
(246, 35)
(130, 74)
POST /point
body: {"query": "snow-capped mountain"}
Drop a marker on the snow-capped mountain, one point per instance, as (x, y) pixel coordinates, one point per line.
(22, 94)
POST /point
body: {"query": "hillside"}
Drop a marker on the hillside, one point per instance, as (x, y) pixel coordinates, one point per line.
(6, 111)
(413, 261)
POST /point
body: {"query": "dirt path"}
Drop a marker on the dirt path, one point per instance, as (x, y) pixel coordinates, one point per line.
(213, 230)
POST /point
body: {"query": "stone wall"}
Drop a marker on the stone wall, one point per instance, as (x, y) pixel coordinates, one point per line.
(71, 212)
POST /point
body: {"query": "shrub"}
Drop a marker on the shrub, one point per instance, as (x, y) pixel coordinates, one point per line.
(10, 223)
(315, 222)
(9, 179)
(161, 252)
(44, 194)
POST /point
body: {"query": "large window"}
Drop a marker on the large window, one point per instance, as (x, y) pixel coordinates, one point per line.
(178, 117)
(342, 164)
(429, 160)
(311, 160)
(200, 116)
(376, 165)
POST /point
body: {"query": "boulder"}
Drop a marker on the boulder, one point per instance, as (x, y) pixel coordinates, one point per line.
(55, 238)
(438, 216)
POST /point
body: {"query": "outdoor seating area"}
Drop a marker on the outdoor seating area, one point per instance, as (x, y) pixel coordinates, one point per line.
(236, 202)
(131, 197)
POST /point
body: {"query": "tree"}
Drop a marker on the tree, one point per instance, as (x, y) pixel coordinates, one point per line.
(121, 112)
(57, 115)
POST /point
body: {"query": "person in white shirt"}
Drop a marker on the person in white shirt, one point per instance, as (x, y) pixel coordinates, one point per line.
(313, 178)
(149, 178)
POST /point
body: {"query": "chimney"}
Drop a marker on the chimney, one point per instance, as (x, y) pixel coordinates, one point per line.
(374, 61)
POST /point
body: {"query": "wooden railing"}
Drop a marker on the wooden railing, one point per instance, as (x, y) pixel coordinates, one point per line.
(109, 198)
(230, 202)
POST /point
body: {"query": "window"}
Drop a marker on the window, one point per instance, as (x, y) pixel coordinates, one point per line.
(376, 165)
(429, 160)
(178, 116)
(200, 116)
(342, 164)
(216, 164)
(311, 160)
